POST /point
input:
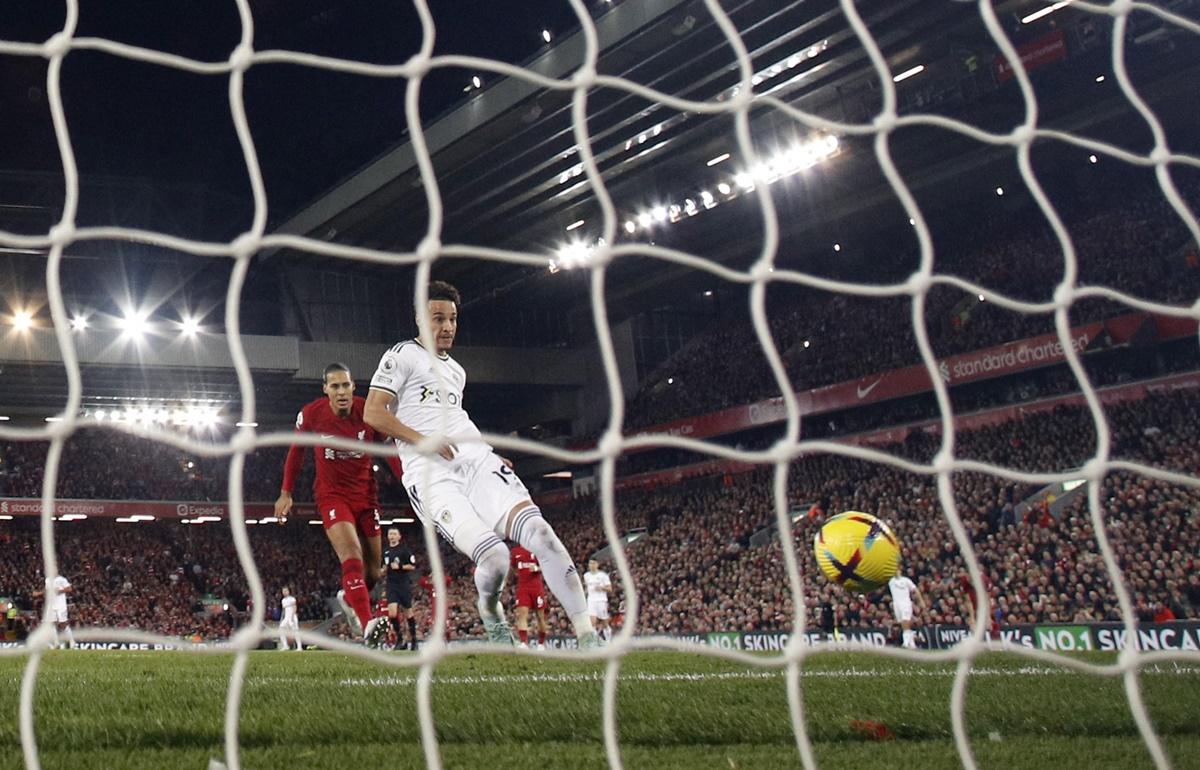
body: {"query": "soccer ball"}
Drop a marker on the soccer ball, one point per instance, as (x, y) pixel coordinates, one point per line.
(857, 550)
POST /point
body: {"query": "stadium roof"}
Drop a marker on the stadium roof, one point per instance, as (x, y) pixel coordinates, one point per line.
(509, 176)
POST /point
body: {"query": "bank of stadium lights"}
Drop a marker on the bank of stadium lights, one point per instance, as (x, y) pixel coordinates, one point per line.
(193, 417)
(574, 254)
(189, 327)
(133, 324)
(79, 323)
(1044, 12)
(785, 163)
(22, 320)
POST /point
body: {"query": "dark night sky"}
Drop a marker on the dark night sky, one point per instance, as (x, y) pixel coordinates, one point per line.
(311, 127)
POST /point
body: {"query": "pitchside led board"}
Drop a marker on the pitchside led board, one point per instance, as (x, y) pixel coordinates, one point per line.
(1183, 635)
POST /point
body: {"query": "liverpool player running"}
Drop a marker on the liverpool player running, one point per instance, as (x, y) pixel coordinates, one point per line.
(345, 495)
(531, 593)
(465, 490)
(399, 564)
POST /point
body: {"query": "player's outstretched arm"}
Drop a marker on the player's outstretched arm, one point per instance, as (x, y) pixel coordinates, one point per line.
(291, 471)
(379, 416)
(283, 505)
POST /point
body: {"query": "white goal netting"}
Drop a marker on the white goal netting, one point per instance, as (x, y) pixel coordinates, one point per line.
(584, 82)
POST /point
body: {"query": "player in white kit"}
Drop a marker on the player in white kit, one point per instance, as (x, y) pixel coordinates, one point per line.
(598, 586)
(467, 491)
(903, 589)
(289, 621)
(62, 587)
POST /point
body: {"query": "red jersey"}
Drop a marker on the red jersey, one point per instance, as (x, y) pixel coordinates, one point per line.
(525, 564)
(426, 582)
(341, 473)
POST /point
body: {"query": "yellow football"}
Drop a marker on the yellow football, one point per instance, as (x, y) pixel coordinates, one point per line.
(857, 550)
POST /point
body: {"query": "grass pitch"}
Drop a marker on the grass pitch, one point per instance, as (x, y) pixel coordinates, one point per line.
(108, 709)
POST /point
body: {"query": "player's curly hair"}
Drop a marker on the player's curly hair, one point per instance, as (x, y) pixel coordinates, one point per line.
(440, 290)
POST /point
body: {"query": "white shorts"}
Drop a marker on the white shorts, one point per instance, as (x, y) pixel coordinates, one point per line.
(293, 624)
(903, 612)
(466, 499)
(60, 616)
(598, 607)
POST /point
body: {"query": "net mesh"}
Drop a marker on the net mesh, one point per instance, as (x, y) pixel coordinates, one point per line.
(763, 273)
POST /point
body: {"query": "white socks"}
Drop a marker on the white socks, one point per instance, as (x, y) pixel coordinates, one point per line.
(491, 568)
(531, 530)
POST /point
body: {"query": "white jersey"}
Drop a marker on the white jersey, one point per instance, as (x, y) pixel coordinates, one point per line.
(901, 588)
(289, 609)
(60, 599)
(428, 394)
(595, 583)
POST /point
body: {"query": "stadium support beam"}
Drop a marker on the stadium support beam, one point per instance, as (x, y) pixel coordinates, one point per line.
(558, 61)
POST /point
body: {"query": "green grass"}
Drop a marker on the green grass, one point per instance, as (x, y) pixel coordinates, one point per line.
(322, 709)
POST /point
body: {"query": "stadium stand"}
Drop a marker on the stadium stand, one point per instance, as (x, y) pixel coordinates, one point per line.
(696, 566)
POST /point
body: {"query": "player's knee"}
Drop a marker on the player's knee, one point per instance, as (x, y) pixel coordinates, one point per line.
(541, 538)
(491, 565)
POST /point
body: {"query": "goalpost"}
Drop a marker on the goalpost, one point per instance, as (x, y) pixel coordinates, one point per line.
(614, 246)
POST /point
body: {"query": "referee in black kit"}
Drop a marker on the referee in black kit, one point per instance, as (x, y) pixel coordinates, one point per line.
(399, 564)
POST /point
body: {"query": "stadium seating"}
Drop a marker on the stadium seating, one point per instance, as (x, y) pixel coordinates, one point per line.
(696, 569)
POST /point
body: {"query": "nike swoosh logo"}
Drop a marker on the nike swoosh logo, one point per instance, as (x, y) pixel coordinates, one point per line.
(864, 392)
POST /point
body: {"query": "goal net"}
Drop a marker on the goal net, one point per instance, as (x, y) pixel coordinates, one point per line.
(622, 235)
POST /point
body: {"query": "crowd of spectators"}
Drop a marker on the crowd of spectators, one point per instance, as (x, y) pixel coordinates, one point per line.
(696, 569)
(151, 471)
(1036, 569)
(1138, 245)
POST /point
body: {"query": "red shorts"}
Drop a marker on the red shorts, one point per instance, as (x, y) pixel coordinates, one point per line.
(365, 518)
(531, 596)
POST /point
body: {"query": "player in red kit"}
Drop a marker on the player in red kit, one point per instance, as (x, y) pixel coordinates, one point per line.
(345, 495)
(531, 594)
